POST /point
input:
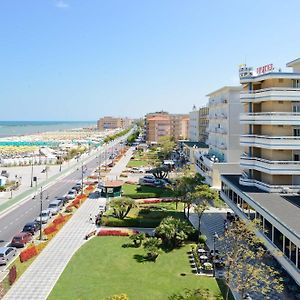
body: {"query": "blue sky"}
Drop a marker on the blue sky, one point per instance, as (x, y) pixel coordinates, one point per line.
(81, 59)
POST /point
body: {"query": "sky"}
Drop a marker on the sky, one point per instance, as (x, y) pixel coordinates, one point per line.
(82, 59)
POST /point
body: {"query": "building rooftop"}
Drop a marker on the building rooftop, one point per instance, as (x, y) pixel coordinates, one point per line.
(293, 62)
(284, 208)
(224, 89)
(196, 144)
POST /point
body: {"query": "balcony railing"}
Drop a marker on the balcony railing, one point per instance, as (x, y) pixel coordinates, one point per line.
(277, 94)
(270, 142)
(276, 118)
(279, 167)
(271, 188)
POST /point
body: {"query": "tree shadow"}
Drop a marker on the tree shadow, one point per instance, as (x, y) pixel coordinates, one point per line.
(142, 258)
(129, 246)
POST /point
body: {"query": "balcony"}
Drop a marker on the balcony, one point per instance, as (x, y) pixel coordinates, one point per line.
(271, 118)
(270, 188)
(271, 142)
(268, 94)
(271, 166)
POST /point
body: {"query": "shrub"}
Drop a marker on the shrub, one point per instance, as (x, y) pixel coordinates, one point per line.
(202, 239)
(28, 253)
(141, 195)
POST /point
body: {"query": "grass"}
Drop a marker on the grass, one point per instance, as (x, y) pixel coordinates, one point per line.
(102, 268)
(137, 163)
(146, 215)
(132, 190)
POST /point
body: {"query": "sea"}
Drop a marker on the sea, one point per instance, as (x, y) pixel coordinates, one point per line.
(19, 128)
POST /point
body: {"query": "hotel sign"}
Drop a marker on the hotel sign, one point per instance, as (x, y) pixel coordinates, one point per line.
(264, 69)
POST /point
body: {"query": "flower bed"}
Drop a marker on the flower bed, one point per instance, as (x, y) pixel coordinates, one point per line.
(28, 253)
(116, 232)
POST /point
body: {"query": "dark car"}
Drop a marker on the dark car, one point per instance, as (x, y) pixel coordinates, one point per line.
(63, 199)
(21, 239)
(31, 227)
(76, 188)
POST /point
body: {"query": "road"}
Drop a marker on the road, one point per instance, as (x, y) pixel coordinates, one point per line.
(13, 222)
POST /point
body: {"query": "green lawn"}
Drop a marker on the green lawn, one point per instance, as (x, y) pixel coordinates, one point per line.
(145, 215)
(137, 163)
(132, 190)
(102, 268)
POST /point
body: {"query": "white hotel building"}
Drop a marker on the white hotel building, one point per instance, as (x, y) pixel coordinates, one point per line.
(269, 187)
(223, 136)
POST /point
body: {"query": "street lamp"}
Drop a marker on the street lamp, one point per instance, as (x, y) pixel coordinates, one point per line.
(31, 179)
(41, 208)
(215, 237)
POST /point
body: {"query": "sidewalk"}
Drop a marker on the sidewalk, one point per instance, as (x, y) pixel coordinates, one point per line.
(39, 279)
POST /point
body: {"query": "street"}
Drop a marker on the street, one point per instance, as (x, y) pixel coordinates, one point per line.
(13, 222)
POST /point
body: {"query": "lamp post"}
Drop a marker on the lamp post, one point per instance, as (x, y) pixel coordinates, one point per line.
(31, 179)
(215, 237)
(41, 208)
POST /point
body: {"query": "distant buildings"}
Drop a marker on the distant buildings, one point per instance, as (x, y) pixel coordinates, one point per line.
(113, 123)
(162, 124)
(268, 187)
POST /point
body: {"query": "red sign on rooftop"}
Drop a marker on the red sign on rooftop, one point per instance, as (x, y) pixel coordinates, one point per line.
(265, 69)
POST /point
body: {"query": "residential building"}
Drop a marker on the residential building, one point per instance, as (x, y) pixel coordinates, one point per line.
(162, 124)
(198, 123)
(268, 187)
(203, 123)
(113, 123)
(223, 135)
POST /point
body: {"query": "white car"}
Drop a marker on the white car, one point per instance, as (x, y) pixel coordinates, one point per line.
(55, 206)
(44, 216)
(71, 195)
(6, 254)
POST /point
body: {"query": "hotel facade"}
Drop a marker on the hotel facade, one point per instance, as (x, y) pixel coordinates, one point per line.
(223, 135)
(268, 188)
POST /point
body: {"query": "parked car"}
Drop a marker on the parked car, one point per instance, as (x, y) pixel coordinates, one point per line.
(44, 216)
(21, 239)
(62, 199)
(71, 195)
(55, 206)
(31, 227)
(6, 254)
(76, 188)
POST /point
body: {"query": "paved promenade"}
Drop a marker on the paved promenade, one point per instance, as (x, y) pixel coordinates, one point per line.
(39, 279)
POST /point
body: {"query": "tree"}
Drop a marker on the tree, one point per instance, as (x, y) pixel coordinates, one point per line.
(185, 185)
(151, 245)
(173, 231)
(199, 209)
(137, 239)
(197, 294)
(200, 198)
(166, 146)
(121, 206)
(245, 268)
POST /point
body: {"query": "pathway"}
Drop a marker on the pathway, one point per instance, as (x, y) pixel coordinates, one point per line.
(39, 279)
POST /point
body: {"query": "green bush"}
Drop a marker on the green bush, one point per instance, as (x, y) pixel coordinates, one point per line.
(202, 239)
(141, 195)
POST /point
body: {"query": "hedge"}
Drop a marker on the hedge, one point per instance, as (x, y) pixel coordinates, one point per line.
(28, 253)
(141, 195)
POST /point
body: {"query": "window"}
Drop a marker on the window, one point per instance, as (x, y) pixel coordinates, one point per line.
(296, 83)
(296, 131)
(296, 107)
(296, 157)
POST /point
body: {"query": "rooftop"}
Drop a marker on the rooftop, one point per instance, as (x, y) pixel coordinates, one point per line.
(284, 208)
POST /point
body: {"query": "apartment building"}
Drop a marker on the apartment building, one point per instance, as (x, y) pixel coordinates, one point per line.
(223, 135)
(269, 186)
(162, 124)
(113, 123)
(198, 124)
